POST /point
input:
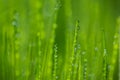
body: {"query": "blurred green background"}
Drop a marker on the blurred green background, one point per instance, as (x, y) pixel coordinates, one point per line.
(59, 39)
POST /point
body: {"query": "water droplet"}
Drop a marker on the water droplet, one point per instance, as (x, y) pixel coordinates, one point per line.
(16, 15)
(78, 46)
(116, 36)
(75, 49)
(72, 64)
(85, 69)
(96, 48)
(114, 43)
(58, 5)
(55, 56)
(109, 67)
(83, 53)
(85, 64)
(55, 47)
(15, 18)
(56, 77)
(14, 23)
(105, 51)
(85, 72)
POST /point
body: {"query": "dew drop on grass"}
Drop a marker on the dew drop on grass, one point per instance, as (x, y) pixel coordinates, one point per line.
(16, 15)
(105, 51)
(55, 56)
(14, 23)
(56, 63)
(55, 48)
(83, 53)
(85, 72)
(15, 19)
(58, 5)
(109, 67)
(72, 64)
(75, 49)
(115, 36)
(79, 46)
(96, 48)
(56, 77)
(85, 69)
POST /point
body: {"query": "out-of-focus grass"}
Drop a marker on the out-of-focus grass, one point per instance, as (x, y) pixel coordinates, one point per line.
(59, 39)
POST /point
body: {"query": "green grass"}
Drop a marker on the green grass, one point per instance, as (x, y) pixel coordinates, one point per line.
(59, 39)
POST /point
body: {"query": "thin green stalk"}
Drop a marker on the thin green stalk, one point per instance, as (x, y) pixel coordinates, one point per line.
(3, 63)
(76, 62)
(104, 56)
(115, 51)
(38, 76)
(55, 62)
(77, 27)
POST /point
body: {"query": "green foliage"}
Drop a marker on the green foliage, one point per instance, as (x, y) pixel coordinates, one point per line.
(59, 39)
